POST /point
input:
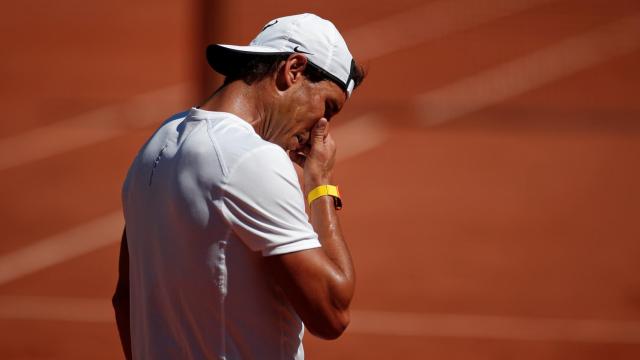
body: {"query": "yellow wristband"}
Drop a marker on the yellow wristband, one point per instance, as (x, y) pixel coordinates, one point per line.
(326, 190)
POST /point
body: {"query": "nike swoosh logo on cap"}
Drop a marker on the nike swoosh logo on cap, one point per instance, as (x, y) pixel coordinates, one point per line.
(301, 51)
(269, 24)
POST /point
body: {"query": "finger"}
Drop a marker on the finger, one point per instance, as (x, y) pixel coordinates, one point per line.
(319, 131)
(326, 130)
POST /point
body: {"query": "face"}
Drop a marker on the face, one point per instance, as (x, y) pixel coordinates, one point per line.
(306, 103)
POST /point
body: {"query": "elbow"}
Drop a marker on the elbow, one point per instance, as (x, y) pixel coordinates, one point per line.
(336, 315)
(337, 328)
(333, 326)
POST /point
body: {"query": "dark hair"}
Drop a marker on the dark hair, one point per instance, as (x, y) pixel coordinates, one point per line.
(258, 67)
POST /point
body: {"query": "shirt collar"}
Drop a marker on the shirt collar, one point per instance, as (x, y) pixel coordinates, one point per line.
(200, 114)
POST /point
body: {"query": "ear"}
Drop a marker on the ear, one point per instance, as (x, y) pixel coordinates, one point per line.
(290, 72)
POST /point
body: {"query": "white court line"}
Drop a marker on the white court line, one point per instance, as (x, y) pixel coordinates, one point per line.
(91, 127)
(370, 322)
(428, 22)
(495, 327)
(529, 72)
(61, 247)
(357, 136)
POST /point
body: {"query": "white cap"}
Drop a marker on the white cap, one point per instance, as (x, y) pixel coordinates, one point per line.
(307, 34)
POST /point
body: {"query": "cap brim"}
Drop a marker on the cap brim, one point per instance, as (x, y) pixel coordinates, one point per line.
(226, 58)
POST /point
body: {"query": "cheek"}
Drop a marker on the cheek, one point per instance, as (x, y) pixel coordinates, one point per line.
(313, 114)
(309, 110)
(316, 108)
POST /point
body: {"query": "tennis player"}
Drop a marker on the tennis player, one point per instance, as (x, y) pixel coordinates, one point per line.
(219, 259)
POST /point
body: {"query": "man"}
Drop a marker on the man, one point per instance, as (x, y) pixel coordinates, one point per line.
(219, 258)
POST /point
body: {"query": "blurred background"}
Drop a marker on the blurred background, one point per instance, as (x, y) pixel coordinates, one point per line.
(489, 165)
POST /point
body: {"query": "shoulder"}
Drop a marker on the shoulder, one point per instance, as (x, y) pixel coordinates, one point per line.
(262, 163)
(238, 143)
(265, 155)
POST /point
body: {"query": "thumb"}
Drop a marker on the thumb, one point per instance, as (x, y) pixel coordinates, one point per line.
(320, 131)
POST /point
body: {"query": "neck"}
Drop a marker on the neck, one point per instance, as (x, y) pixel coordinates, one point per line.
(241, 100)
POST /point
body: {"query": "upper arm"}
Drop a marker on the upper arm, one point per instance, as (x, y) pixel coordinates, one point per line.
(263, 203)
(317, 289)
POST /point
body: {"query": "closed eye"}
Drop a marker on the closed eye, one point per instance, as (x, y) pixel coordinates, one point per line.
(329, 110)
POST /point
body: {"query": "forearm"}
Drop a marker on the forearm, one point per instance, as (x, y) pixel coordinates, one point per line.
(324, 219)
(334, 278)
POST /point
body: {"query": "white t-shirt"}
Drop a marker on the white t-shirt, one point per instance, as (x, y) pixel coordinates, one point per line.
(204, 200)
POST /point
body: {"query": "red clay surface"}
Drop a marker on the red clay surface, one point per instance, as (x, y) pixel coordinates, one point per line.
(527, 208)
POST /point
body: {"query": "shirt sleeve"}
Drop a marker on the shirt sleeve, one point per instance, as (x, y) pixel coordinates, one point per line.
(265, 205)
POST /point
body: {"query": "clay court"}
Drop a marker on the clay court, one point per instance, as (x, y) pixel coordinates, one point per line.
(489, 166)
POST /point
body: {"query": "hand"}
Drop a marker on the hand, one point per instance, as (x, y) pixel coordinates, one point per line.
(318, 158)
